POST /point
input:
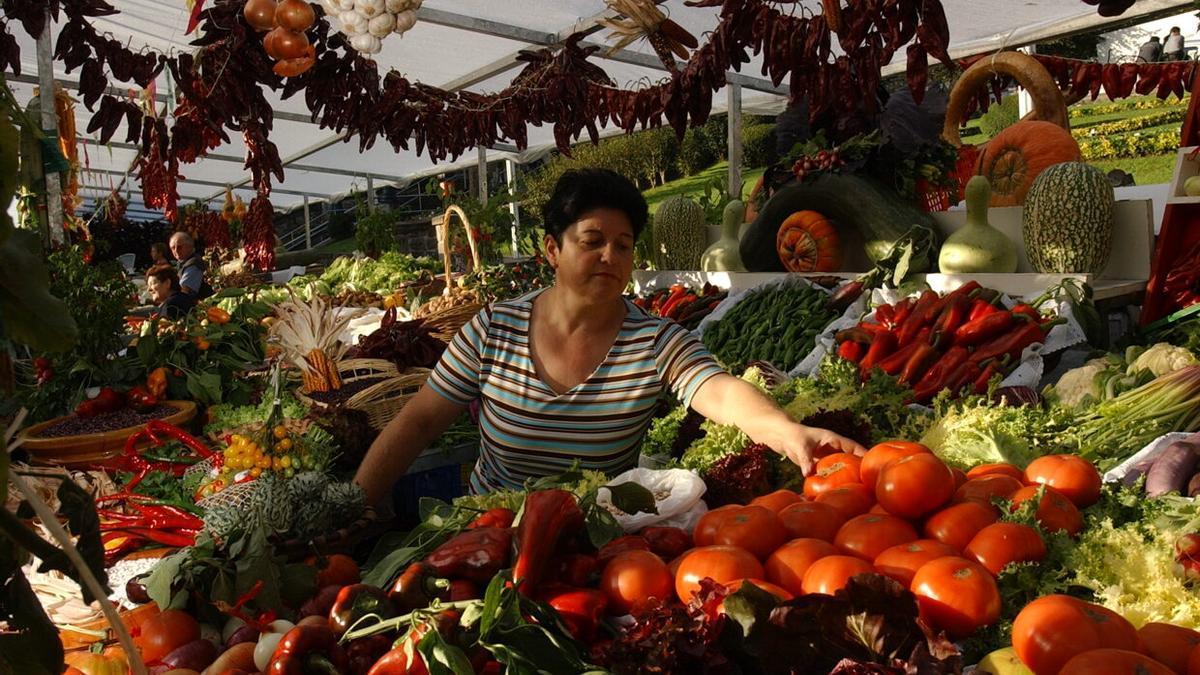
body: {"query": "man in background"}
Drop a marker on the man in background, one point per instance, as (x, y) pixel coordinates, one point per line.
(1151, 51)
(191, 267)
(1173, 46)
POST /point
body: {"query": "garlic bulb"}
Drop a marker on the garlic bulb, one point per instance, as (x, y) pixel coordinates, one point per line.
(369, 8)
(405, 20)
(331, 7)
(381, 25)
(344, 5)
(366, 44)
(395, 6)
(353, 23)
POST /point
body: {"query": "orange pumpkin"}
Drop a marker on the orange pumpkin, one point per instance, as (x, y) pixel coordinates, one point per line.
(808, 242)
(1015, 157)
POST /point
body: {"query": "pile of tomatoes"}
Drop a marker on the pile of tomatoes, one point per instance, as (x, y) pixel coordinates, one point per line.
(898, 511)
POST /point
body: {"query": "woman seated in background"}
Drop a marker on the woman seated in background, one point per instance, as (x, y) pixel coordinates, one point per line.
(160, 254)
(163, 282)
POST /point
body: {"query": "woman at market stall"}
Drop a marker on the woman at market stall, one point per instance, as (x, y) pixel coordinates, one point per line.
(163, 283)
(574, 371)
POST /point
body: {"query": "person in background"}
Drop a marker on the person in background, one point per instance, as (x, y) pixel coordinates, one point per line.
(1173, 46)
(191, 266)
(163, 282)
(160, 254)
(1151, 51)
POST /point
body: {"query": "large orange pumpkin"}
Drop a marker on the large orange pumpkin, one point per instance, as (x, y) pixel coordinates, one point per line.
(808, 242)
(1016, 156)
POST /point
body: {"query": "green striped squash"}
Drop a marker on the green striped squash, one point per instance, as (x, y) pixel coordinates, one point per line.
(680, 234)
(1068, 220)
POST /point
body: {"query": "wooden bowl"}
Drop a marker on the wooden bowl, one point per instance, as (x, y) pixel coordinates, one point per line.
(90, 448)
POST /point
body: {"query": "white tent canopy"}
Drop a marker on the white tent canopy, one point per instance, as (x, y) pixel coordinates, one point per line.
(472, 45)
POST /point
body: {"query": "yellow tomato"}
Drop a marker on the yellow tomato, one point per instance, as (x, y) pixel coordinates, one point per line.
(284, 445)
(256, 472)
(286, 461)
(280, 432)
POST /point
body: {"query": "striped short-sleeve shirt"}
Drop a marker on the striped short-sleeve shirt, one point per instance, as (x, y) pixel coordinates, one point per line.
(529, 430)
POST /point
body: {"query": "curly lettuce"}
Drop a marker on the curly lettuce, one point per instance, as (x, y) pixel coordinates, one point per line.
(974, 431)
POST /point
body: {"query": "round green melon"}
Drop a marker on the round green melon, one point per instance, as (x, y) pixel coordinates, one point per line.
(1068, 220)
(679, 234)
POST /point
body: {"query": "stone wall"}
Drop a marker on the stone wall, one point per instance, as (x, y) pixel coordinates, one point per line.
(417, 237)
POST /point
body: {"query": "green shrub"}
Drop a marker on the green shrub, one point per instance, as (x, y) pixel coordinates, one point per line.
(375, 232)
(694, 153)
(715, 133)
(999, 116)
(758, 145)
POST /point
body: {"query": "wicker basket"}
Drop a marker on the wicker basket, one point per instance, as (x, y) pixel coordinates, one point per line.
(382, 400)
(446, 323)
(341, 540)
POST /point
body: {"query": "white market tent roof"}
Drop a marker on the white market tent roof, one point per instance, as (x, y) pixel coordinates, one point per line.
(472, 45)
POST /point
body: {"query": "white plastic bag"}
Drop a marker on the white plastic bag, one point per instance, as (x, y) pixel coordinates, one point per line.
(676, 495)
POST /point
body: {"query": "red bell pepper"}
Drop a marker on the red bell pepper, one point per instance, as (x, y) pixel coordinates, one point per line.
(417, 587)
(983, 329)
(308, 650)
(922, 358)
(576, 569)
(630, 542)
(362, 653)
(581, 609)
(462, 589)
(883, 347)
(548, 515)
(356, 601)
(497, 517)
(473, 554)
(851, 351)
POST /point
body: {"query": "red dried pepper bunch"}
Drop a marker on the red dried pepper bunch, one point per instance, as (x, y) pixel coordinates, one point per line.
(258, 234)
(1182, 284)
(158, 172)
(408, 344)
(211, 227)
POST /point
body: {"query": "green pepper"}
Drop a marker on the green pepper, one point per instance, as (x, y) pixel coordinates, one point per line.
(356, 601)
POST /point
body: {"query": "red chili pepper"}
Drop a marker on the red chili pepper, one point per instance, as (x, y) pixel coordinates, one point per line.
(1027, 310)
(1012, 344)
(983, 329)
(497, 517)
(885, 314)
(860, 333)
(917, 320)
(678, 291)
(981, 307)
(883, 347)
(952, 316)
(918, 363)
(963, 375)
(980, 385)
(937, 378)
(893, 364)
(177, 539)
(851, 351)
(548, 514)
(903, 309)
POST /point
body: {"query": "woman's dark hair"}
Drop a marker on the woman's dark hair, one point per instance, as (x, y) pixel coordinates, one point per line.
(581, 190)
(161, 248)
(165, 273)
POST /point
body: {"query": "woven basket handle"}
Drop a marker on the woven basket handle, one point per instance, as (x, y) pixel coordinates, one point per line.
(444, 226)
(1048, 102)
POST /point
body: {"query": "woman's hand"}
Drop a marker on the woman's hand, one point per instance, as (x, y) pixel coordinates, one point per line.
(799, 444)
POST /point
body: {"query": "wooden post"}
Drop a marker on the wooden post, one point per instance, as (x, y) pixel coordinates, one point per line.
(510, 175)
(733, 97)
(307, 225)
(483, 177)
(45, 61)
(370, 194)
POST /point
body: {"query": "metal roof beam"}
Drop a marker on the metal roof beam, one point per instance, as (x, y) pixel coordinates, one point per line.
(213, 183)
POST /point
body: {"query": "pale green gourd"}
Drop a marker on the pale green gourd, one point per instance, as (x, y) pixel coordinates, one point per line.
(723, 256)
(978, 247)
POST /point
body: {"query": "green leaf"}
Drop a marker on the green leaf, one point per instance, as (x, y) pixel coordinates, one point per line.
(298, 583)
(601, 526)
(632, 498)
(902, 264)
(147, 348)
(429, 507)
(258, 565)
(492, 598)
(442, 658)
(749, 606)
(31, 314)
(163, 576)
(381, 574)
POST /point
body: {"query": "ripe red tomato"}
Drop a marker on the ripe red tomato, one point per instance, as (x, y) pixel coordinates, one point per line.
(1071, 475)
(164, 632)
(777, 500)
(985, 488)
(957, 524)
(999, 544)
(1168, 644)
(1051, 630)
(956, 595)
(722, 564)
(787, 565)
(868, 535)
(832, 471)
(1055, 513)
(633, 577)
(851, 500)
(709, 523)
(999, 469)
(753, 528)
(902, 562)
(1113, 662)
(831, 573)
(883, 454)
(913, 486)
(812, 520)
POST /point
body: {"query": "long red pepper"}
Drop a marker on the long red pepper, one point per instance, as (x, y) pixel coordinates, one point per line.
(952, 316)
(918, 363)
(882, 347)
(546, 516)
(893, 364)
(903, 309)
(980, 385)
(851, 351)
(983, 329)
(886, 315)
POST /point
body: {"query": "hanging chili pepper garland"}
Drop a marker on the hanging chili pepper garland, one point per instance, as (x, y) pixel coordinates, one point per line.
(258, 234)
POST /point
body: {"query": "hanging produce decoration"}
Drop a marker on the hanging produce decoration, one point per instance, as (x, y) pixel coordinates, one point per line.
(285, 23)
(645, 20)
(365, 23)
(258, 234)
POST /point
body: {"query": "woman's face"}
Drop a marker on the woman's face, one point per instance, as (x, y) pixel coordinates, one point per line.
(596, 255)
(160, 288)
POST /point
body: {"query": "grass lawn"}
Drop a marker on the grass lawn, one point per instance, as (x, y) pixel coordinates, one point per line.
(344, 246)
(1145, 170)
(693, 186)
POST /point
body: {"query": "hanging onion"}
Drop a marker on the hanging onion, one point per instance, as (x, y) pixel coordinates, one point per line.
(296, 15)
(286, 44)
(260, 14)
